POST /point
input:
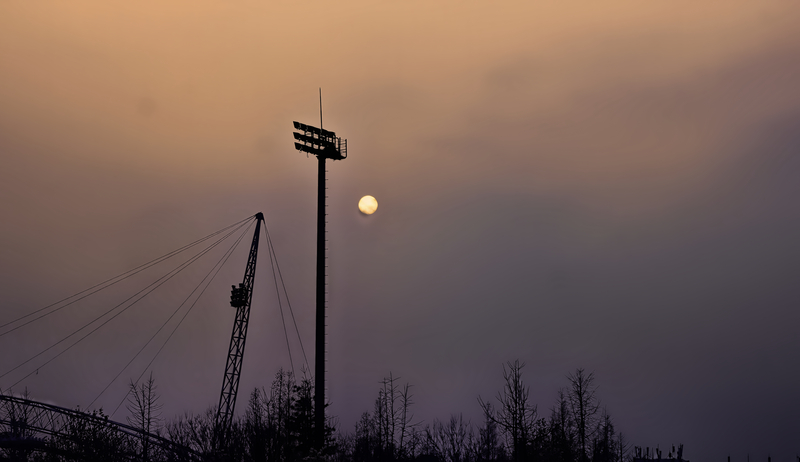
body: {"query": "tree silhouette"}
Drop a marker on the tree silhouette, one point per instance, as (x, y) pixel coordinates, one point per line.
(278, 425)
(489, 446)
(91, 441)
(562, 430)
(450, 442)
(145, 412)
(515, 416)
(584, 406)
(389, 433)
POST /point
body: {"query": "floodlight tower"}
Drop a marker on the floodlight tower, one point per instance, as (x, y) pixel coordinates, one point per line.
(325, 145)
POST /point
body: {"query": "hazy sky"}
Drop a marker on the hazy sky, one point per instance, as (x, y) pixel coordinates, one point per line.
(608, 185)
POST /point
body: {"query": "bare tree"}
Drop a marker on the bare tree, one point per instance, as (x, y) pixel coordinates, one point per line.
(18, 417)
(516, 416)
(604, 444)
(584, 406)
(393, 425)
(450, 442)
(562, 429)
(405, 419)
(623, 448)
(145, 411)
(194, 431)
(90, 439)
(488, 444)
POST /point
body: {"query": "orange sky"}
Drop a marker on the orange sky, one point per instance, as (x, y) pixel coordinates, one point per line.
(180, 81)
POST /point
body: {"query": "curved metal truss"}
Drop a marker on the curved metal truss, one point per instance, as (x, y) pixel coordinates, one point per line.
(31, 425)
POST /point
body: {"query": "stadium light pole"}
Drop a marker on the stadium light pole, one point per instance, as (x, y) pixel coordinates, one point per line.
(325, 145)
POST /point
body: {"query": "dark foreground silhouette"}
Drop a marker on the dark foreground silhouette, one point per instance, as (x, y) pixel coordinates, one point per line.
(278, 425)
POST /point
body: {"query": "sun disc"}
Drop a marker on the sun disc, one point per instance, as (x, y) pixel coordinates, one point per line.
(368, 205)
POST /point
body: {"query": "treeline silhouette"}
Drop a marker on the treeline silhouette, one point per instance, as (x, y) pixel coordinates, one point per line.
(278, 425)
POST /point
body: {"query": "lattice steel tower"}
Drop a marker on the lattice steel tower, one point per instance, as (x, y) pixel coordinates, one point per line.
(241, 298)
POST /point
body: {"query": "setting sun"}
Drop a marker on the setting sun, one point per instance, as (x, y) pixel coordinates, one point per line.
(368, 205)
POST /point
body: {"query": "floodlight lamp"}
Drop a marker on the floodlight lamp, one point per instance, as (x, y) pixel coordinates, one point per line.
(319, 142)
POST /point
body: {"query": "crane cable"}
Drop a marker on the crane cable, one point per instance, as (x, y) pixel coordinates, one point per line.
(216, 266)
(230, 252)
(154, 285)
(108, 282)
(280, 306)
(276, 265)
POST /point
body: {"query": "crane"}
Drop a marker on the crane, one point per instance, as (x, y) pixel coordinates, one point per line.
(241, 298)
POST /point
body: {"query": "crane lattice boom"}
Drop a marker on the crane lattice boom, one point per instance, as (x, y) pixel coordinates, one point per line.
(241, 298)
